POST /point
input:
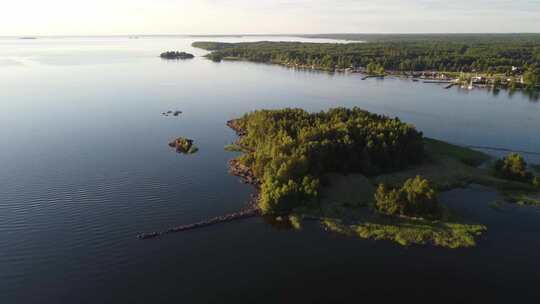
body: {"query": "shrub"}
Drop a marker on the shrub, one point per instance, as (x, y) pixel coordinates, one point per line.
(513, 167)
(374, 68)
(416, 197)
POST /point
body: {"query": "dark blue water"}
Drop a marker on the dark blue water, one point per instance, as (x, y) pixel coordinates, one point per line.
(85, 167)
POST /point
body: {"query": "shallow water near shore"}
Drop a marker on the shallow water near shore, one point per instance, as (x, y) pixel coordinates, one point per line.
(86, 167)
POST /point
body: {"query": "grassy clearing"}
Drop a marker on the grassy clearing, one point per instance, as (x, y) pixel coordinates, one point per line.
(449, 166)
(412, 232)
(353, 190)
(437, 149)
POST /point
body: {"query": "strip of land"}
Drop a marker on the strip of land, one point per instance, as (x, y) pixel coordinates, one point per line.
(508, 61)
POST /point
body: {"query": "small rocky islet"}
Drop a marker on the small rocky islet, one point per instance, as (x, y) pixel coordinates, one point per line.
(173, 113)
(183, 145)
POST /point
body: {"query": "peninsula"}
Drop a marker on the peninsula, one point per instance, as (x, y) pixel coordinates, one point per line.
(365, 174)
(506, 61)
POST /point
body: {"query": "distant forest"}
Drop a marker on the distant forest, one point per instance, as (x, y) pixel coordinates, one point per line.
(489, 53)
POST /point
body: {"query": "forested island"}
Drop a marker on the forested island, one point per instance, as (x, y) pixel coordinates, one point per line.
(361, 174)
(176, 55)
(366, 175)
(504, 60)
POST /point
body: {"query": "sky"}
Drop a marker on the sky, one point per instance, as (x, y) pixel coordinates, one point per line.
(119, 17)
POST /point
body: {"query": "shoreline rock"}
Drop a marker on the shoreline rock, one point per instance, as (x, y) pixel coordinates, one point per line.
(244, 173)
(234, 126)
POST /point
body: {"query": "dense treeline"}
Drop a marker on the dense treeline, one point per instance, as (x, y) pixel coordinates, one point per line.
(531, 77)
(289, 150)
(459, 38)
(467, 54)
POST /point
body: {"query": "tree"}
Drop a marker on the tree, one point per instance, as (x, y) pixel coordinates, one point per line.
(513, 167)
(531, 77)
(374, 68)
(536, 182)
(416, 197)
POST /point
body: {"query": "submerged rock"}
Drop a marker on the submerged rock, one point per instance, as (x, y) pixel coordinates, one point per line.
(173, 113)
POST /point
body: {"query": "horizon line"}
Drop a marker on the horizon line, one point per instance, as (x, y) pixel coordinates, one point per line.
(275, 34)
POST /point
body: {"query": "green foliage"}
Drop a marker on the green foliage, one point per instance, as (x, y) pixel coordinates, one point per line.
(233, 148)
(531, 77)
(536, 182)
(193, 150)
(473, 53)
(289, 150)
(216, 57)
(513, 167)
(412, 232)
(415, 198)
(296, 222)
(526, 198)
(375, 68)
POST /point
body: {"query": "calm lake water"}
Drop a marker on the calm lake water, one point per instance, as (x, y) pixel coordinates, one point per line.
(85, 167)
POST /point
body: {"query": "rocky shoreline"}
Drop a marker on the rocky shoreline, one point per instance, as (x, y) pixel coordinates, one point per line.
(251, 210)
(235, 167)
(233, 125)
